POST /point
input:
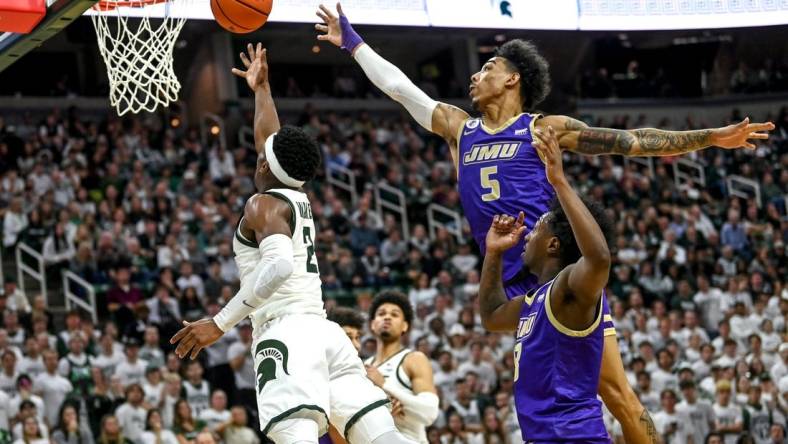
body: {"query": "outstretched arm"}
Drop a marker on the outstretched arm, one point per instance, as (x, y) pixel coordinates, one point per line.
(588, 276)
(497, 312)
(440, 118)
(266, 120)
(574, 135)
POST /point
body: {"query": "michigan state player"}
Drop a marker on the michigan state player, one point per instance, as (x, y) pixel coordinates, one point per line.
(499, 172)
(307, 369)
(403, 373)
(559, 345)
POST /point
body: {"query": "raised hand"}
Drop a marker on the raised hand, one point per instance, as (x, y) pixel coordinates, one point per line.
(256, 64)
(505, 232)
(546, 144)
(737, 136)
(331, 26)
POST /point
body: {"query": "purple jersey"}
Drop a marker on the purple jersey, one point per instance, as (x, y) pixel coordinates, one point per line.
(500, 172)
(557, 375)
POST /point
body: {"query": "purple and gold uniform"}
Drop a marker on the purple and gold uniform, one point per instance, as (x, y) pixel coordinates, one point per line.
(500, 172)
(556, 375)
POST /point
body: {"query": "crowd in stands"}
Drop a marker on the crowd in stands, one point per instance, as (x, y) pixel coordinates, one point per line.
(146, 214)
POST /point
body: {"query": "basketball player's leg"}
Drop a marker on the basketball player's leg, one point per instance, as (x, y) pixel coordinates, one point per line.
(292, 379)
(359, 409)
(294, 431)
(621, 400)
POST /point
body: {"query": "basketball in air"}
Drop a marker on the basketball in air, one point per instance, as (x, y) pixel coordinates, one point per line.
(241, 16)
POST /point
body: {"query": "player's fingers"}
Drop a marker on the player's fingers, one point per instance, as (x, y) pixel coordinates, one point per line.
(250, 50)
(496, 219)
(743, 123)
(339, 9)
(323, 17)
(238, 72)
(322, 37)
(184, 346)
(520, 231)
(768, 126)
(179, 335)
(195, 352)
(749, 145)
(521, 218)
(259, 50)
(245, 60)
(327, 11)
(758, 136)
(321, 28)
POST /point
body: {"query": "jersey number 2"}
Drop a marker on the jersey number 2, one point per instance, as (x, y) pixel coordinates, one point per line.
(491, 184)
(310, 251)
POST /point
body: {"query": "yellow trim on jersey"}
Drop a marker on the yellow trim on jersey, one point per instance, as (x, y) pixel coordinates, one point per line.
(459, 154)
(607, 318)
(529, 300)
(610, 331)
(532, 127)
(506, 124)
(565, 330)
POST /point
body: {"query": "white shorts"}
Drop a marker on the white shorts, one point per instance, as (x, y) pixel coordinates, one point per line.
(306, 367)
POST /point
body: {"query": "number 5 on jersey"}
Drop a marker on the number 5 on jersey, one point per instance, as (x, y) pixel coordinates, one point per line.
(310, 251)
(490, 184)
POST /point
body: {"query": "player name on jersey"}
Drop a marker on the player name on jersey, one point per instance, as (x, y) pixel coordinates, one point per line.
(304, 209)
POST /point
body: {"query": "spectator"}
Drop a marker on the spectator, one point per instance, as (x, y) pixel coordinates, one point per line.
(153, 387)
(69, 428)
(131, 369)
(29, 412)
(217, 414)
(698, 412)
(15, 299)
(52, 387)
(184, 425)
(729, 419)
(131, 415)
(733, 234)
(14, 222)
(236, 430)
(111, 432)
(673, 428)
(155, 433)
(9, 373)
(31, 432)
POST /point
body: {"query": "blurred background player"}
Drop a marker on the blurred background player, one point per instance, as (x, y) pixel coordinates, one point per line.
(559, 335)
(494, 160)
(307, 369)
(403, 373)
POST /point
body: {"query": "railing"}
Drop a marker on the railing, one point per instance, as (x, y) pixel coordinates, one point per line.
(395, 205)
(38, 273)
(344, 179)
(647, 162)
(696, 174)
(743, 187)
(70, 277)
(453, 226)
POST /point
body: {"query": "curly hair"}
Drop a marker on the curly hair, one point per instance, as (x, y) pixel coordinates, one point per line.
(559, 225)
(523, 57)
(392, 297)
(297, 153)
(346, 317)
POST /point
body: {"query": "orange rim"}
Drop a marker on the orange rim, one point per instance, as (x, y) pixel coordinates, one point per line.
(109, 5)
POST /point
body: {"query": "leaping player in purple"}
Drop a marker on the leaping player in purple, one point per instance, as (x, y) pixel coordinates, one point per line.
(500, 172)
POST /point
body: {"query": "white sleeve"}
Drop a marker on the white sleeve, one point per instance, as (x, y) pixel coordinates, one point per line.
(392, 81)
(275, 266)
(424, 407)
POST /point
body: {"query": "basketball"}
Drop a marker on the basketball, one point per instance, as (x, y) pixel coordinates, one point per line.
(241, 16)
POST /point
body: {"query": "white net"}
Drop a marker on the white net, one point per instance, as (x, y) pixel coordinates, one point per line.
(138, 53)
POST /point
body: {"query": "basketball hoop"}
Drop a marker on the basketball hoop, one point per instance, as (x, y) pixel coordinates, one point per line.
(138, 54)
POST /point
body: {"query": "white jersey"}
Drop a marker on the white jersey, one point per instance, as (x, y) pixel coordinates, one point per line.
(301, 293)
(199, 396)
(392, 370)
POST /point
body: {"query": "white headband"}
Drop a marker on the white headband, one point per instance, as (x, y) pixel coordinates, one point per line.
(277, 169)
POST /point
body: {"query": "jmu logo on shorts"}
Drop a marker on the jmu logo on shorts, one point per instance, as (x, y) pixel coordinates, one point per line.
(489, 152)
(526, 326)
(272, 353)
